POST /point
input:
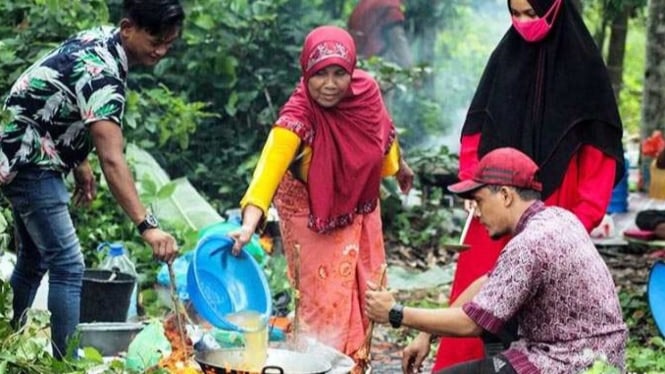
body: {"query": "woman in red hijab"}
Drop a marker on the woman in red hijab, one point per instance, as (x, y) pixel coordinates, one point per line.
(546, 92)
(323, 162)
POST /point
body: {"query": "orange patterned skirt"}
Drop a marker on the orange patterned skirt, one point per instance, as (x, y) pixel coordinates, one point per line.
(333, 269)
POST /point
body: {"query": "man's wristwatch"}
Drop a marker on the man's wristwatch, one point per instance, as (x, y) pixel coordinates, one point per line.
(396, 315)
(149, 222)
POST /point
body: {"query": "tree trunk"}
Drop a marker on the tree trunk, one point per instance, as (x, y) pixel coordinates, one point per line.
(617, 49)
(600, 33)
(653, 103)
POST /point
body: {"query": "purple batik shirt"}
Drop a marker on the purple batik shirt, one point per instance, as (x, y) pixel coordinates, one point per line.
(552, 279)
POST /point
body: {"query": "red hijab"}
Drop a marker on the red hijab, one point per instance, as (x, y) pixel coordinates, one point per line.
(349, 140)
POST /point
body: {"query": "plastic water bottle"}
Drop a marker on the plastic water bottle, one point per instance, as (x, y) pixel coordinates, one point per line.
(119, 261)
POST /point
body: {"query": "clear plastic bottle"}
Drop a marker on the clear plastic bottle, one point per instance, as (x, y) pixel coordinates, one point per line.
(118, 260)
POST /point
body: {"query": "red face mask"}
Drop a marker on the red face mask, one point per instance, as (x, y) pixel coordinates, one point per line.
(536, 30)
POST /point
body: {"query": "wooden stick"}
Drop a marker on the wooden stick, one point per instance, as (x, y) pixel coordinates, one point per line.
(296, 291)
(367, 346)
(465, 230)
(176, 305)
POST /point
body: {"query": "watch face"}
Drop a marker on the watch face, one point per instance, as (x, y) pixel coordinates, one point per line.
(151, 220)
(395, 316)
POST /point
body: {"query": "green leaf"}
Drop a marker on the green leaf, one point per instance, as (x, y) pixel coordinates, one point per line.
(166, 191)
(148, 186)
(92, 354)
(204, 21)
(230, 106)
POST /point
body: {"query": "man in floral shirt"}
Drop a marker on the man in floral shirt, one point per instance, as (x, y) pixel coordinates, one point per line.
(67, 103)
(549, 277)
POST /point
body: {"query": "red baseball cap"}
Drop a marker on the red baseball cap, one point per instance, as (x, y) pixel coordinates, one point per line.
(502, 167)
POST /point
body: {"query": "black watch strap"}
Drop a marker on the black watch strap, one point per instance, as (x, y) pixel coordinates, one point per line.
(396, 315)
(149, 222)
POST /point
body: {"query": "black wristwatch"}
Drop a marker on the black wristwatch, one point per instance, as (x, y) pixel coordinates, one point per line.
(396, 315)
(149, 222)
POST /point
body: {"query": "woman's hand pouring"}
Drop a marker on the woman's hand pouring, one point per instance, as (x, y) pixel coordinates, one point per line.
(251, 216)
(241, 237)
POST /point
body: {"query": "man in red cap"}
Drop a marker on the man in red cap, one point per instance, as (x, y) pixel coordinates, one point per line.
(549, 278)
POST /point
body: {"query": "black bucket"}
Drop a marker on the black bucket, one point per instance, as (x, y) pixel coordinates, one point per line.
(105, 295)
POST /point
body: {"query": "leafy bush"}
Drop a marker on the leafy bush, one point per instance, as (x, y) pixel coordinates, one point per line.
(428, 224)
(23, 351)
(644, 352)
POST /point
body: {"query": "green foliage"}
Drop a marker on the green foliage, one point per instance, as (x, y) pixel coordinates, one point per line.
(413, 111)
(31, 28)
(23, 351)
(644, 352)
(602, 367)
(630, 103)
(424, 19)
(241, 57)
(637, 315)
(646, 358)
(276, 273)
(598, 15)
(159, 113)
(430, 223)
(461, 60)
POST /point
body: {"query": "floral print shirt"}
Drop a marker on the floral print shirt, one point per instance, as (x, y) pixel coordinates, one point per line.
(52, 103)
(552, 279)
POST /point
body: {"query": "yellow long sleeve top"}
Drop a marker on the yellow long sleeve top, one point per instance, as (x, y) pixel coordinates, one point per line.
(278, 153)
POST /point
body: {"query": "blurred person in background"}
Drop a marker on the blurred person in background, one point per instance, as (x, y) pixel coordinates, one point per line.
(377, 27)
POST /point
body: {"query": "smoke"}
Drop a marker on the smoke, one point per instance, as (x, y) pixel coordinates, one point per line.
(457, 49)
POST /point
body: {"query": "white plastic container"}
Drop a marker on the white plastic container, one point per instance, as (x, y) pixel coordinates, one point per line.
(118, 260)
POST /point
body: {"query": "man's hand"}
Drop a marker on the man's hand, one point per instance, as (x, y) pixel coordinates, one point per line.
(86, 185)
(163, 245)
(415, 353)
(469, 205)
(404, 176)
(378, 303)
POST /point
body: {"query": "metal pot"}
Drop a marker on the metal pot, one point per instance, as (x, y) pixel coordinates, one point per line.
(109, 338)
(279, 361)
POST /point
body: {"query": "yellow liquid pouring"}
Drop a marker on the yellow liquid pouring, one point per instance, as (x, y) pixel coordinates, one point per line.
(255, 333)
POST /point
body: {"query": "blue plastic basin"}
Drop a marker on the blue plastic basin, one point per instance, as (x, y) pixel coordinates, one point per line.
(656, 294)
(220, 283)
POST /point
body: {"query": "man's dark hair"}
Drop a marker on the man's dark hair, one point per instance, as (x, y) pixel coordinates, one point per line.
(525, 194)
(157, 17)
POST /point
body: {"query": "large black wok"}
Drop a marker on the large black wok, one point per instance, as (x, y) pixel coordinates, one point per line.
(279, 361)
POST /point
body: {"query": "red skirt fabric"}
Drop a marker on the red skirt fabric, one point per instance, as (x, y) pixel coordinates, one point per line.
(333, 270)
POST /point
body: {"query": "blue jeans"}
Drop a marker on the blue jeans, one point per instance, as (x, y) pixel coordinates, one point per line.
(46, 240)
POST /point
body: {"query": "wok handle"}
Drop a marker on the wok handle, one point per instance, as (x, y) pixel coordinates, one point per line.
(267, 370)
